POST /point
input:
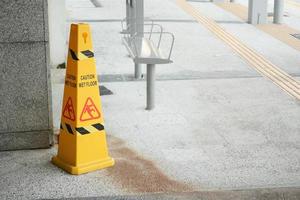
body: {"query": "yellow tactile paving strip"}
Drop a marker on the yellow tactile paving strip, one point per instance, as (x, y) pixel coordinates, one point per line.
(293, 3)
(283, 33)
(259, 63)
(279, 31)
(237, 9)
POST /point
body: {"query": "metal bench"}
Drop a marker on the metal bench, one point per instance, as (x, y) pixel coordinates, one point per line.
(143, 50)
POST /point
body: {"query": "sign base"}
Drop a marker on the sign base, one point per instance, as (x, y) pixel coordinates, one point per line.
(82, 169)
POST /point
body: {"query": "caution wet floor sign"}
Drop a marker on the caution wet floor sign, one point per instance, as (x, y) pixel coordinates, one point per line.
(82, 140)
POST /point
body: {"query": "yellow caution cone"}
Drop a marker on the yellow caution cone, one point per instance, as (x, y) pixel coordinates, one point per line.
(82, 142)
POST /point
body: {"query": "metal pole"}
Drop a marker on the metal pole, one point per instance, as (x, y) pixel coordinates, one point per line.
(139, 17)
(150, 86)
(132, 18)
(139, 28)
(278, 11)
(137, 71)
(127, 13)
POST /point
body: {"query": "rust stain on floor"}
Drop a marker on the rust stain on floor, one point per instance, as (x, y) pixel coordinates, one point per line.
(135, 173)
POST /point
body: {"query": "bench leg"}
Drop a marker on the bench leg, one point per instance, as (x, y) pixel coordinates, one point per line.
(137, 71)
(150, 86)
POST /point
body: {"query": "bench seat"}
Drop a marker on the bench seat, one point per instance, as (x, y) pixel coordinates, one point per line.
(143, 51)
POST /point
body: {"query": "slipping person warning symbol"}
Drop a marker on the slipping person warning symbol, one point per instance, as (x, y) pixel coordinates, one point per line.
(69, 112)
(89, 111)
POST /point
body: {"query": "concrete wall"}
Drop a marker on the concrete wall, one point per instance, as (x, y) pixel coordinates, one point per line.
(25, 91)
(57, 31)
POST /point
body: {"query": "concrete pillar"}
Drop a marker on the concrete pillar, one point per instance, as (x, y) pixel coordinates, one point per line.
(257, 11)
(57, 31)
(25, 97)
(278, 11)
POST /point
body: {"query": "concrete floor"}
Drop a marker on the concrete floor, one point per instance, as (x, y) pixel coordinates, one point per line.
(218, 125)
